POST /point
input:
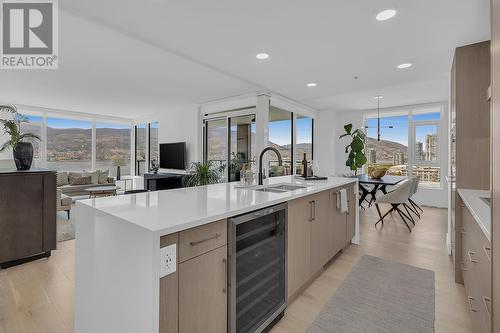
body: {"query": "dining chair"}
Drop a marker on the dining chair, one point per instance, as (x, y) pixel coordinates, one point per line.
(410, 207)
(397, 198)
(415, 189)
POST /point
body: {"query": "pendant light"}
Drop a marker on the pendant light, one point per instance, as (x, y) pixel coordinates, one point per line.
(378, 98)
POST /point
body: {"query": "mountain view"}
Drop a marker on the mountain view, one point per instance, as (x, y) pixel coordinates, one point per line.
(385, 149)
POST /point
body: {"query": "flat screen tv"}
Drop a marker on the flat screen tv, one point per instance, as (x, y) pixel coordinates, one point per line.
(173, 155)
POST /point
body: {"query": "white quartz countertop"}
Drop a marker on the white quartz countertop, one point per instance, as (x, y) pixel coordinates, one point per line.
(479, 209)
(169, 211)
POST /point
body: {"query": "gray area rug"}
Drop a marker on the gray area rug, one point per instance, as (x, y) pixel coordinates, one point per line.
(380, 296)
(65, 227)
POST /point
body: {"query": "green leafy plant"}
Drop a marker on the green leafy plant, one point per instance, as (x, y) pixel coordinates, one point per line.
(12, 127)
(203, 173)
(356, 149)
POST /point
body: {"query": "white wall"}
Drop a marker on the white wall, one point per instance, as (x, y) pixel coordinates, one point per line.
(181, 125)
(331, 151)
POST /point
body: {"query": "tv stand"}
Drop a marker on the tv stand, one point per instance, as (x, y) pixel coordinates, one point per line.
(162, 181)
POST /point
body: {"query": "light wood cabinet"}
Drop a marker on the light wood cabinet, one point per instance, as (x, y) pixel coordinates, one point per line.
(475, 265)
(194, 298)
(320, 231)
(203, 293)
(299, 243)
(317, 231)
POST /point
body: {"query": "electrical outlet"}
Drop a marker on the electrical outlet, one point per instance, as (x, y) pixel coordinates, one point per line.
(168, 260)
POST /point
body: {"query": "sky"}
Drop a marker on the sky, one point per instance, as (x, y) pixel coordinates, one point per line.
(280, 131)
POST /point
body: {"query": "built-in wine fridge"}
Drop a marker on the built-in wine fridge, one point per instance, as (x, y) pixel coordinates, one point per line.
(257, 266)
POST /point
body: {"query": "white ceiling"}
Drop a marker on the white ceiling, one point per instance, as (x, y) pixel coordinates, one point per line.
(130, 58)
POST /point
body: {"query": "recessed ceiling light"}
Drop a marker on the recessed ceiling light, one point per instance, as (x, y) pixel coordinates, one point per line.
(262, 56)
(311, 84)
(405, 65)
(378, 97)
(386, 14)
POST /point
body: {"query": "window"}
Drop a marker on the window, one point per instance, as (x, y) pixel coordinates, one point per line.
(34, 125)
(69, 144)
(409, 144)
(280, 137)
(113, 148)
(426, 151)
(304, 141)
(153, 143)
(392, 149)
(141, 142)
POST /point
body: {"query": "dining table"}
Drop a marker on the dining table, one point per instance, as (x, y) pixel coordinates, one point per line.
(379, 184)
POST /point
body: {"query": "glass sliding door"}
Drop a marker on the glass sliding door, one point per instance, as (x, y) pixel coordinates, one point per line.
(141, 147)
(242, 148)
(113, 148)
(304, 141)
(153, 143)
(280, 137)
(216, 142)
(69, 144)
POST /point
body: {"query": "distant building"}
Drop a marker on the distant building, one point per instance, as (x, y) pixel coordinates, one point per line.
(398, 158)
(431, 147)
(372, 156)
(419, 151)
(427, 174)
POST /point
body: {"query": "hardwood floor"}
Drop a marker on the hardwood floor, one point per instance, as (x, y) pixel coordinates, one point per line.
(38, 296)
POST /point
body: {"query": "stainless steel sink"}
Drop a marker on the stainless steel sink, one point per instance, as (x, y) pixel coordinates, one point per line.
(280, 188)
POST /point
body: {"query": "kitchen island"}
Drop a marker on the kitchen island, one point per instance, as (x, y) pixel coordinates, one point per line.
(146, 261)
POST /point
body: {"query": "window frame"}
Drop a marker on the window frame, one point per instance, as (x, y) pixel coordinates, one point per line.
(410, 111)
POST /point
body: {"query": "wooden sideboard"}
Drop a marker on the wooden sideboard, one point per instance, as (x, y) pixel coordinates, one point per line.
(27, 215)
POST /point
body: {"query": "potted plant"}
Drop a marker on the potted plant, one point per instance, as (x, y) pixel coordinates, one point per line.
(203, 173)
(356, 149)
(22, 150)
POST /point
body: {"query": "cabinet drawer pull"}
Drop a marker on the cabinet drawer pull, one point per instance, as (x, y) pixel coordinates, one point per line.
(471, 308)
(471, 259)
(217, 235)
(487, 250)
(224, 262)
(487, 303)
(312, 209)
(462, 230)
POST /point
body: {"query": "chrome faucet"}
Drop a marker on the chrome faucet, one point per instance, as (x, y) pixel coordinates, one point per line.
(280, 161)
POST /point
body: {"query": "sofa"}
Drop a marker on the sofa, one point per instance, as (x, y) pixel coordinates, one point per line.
(75, 183)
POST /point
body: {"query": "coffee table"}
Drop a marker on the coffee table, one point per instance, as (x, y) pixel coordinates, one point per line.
(102, 191)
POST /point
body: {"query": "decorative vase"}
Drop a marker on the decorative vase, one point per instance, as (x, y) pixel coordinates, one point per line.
(23, 155)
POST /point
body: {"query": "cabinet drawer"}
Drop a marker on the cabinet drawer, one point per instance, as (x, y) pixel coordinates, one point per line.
(199, 240)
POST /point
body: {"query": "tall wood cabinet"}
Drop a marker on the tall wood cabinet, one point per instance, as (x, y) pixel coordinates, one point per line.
(470, 169)
(317, 231)
(27, 215)
(469, 131)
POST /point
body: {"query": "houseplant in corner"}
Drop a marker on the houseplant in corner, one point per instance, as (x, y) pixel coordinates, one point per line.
(356, 149)
(22, 150)
(203, 173)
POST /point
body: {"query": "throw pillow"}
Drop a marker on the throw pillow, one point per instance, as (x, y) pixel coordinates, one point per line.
(94, 176)
(62, 178)
(103, 176)
(82, 181)
(73, 175)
